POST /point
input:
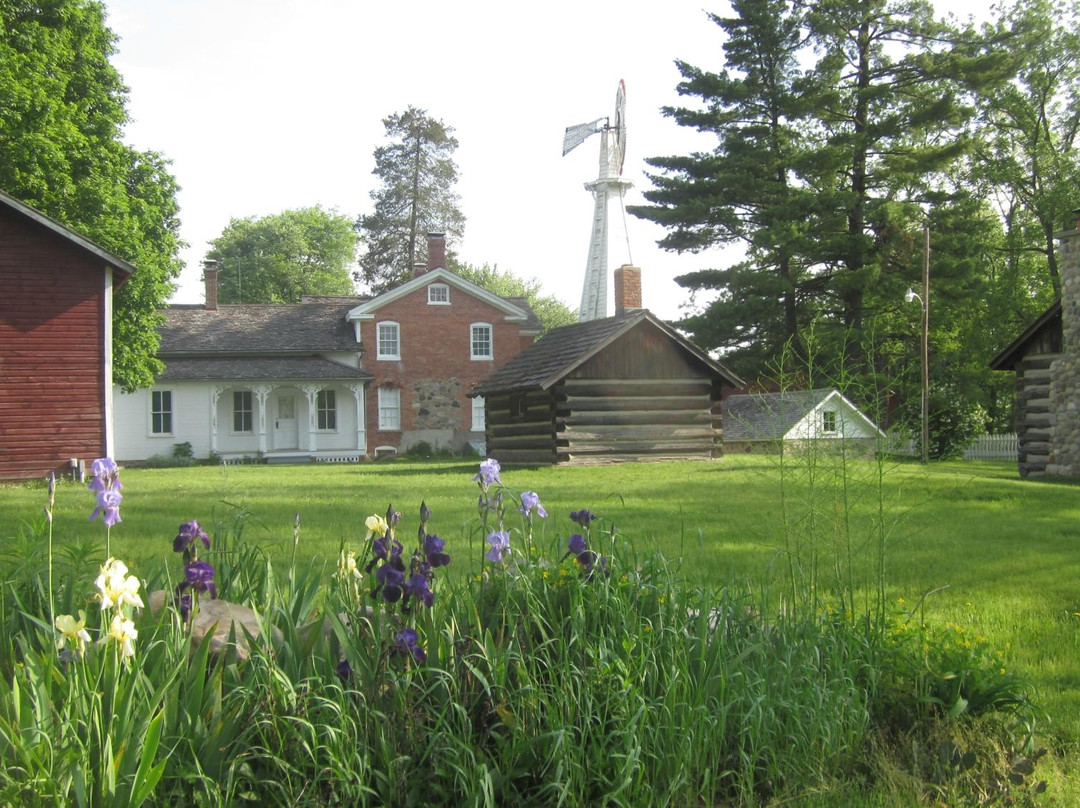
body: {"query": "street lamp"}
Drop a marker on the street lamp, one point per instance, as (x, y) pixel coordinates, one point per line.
(924, 300)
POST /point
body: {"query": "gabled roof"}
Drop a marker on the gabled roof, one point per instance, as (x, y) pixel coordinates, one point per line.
(514, 308)
(258, 328)
(1007, 359)
(120, 265)
(770, 416)
(563, 349)
(293, 368)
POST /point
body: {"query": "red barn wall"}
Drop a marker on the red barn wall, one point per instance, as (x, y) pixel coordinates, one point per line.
(52, 320)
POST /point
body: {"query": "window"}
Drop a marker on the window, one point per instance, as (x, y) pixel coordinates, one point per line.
(326, 408)
(241, 411)
(161, 412)
(481, 341)
(389, 409)
(828, 420)
(478, 419)
(438, 294)
(389, 341)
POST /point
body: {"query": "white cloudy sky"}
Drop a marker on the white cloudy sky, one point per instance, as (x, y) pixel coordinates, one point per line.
(267, 105)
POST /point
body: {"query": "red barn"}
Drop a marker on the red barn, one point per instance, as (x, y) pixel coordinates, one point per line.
(55, 344)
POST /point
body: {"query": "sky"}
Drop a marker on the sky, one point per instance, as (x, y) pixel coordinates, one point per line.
(270, 105)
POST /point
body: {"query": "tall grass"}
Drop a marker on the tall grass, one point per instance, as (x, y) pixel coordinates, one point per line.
(547, 679)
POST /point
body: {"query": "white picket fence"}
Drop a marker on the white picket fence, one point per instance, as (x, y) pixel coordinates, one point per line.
(988, 447)
(993, 447)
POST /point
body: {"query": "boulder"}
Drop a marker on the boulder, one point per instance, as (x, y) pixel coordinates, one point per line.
(228, 625)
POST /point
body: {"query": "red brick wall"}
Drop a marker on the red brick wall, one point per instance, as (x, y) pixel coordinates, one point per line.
(435, 344)
(51, 351)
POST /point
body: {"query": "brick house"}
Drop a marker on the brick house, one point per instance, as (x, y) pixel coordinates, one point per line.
(55, 344)
(329, 378)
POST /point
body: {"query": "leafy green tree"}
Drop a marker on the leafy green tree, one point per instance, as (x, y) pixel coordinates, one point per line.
(1027, 155)
(415, 197)
(551, 311)
(279, 258)
(62, 113)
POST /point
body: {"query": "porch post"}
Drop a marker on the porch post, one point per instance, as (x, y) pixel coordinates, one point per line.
(262, 394)
(361, 417)
(312, 392)
(215, 394)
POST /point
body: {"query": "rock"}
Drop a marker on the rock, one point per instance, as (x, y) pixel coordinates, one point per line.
(225, 622)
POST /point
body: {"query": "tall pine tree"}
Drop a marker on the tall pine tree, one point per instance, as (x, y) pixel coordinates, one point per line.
(416, 196)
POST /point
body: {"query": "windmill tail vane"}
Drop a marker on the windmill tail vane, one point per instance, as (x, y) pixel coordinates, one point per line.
(578, 133)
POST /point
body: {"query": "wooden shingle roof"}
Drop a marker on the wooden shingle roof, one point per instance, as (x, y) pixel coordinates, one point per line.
(563, 349)
(259, 328)
(251, 369)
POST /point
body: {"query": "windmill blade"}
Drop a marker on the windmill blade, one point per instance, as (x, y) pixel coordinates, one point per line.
(620, 123)
(578, 133)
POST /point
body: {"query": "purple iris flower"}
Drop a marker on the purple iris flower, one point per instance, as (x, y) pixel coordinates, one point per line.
(408, 642)
(190, 532)
(108, 506)
(577, 545)
(199, 577)
(390, 581)
(417, 587)
(106, 475)
(584, 517)
(433, 551)
(500, 545)
(530, 501)
(489, 472)
(185, 606)
(344, 669)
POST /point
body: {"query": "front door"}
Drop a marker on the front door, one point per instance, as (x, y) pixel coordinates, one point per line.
(286, 434)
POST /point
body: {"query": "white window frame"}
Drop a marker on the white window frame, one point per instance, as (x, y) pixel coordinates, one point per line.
(389, 409)
(479, 414)
(482, 357)
(383, 346)
(239, 410)
(826, 417)
(160, 408)
(326, 410)
(438, 294)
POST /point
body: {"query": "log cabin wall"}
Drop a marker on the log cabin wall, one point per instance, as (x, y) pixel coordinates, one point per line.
(1033, 412)
(521, 428)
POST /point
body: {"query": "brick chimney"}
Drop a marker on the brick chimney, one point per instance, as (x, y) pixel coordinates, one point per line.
(210, 273)
(627, 289)
(436, 251)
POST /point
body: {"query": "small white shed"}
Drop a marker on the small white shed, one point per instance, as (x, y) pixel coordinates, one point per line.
(760, 422)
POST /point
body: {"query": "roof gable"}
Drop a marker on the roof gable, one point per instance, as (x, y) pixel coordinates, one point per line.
(367, 309)
(771, 416)
(562, 350)
(1014, 351)
(123, 268)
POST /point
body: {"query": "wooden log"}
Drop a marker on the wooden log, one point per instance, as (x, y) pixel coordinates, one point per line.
(633, 417)
(586, 404)
(641, 447)
(505, 429)
(523, 457)
(637, 432)
(520, 442)
(636, 387)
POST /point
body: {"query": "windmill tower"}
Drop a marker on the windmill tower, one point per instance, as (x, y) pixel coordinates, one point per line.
(608, 187)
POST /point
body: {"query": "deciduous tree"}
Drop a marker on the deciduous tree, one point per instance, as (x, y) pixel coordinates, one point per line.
(549, 310)
(62, 113)
(279, 258)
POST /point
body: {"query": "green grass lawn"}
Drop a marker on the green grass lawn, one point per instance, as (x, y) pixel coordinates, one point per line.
(997, 555)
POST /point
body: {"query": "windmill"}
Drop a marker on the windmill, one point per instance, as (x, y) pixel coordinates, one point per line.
(607, 186)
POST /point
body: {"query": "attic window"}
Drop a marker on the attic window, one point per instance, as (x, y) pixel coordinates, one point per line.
(438, 294)
(828, 421)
